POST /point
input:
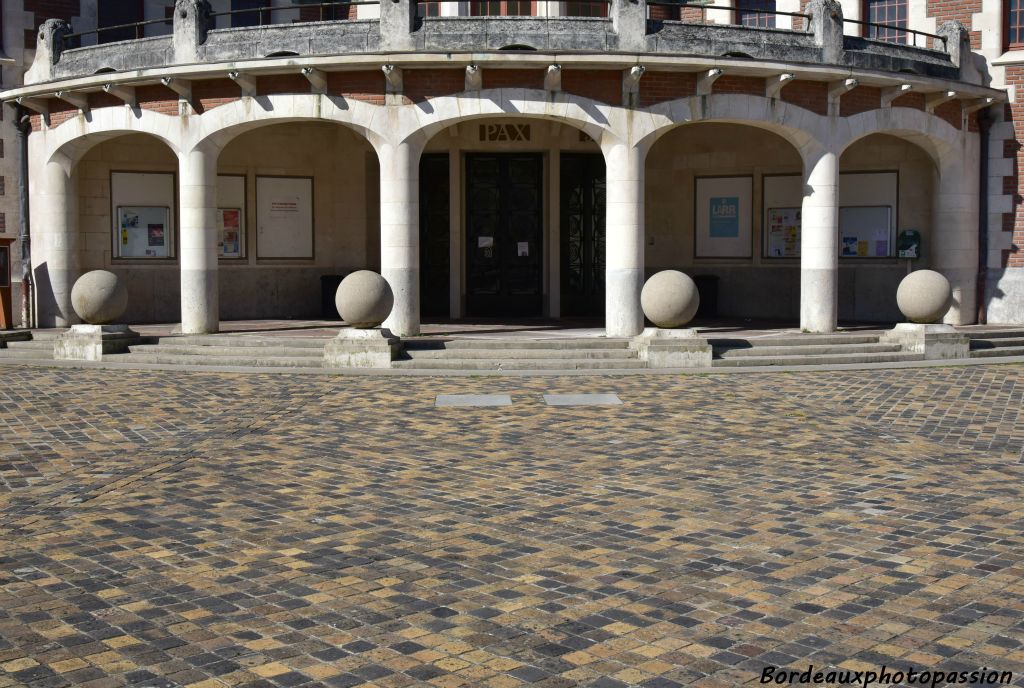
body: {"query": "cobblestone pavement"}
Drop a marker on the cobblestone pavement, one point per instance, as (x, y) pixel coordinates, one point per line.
(171, 529)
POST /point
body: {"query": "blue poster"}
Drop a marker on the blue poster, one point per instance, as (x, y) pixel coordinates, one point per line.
(725, 217)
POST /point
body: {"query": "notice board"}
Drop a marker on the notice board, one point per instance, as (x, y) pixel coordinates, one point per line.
(865, 231)
(284, 217)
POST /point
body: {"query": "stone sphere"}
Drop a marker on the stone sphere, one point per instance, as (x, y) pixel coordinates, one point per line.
(364, 299)
(924, 296)
(99, 297)
(670, 299)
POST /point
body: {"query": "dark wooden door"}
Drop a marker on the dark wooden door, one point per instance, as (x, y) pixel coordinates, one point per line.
(435, 260)
(504, 234)
(582, 234)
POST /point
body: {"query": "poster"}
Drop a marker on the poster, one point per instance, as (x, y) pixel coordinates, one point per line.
(284, 217)
(523, 249)
(229, 228)
(143, 232)
(722, 217)
(724, 212)
(783, 233)
(865, 231)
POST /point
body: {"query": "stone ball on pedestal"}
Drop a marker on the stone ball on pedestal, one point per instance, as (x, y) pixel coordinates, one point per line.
(364, 299)
(670, 299)
(924, 296)
(99, 297)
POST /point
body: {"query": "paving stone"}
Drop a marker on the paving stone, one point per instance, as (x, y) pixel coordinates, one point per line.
(279, 530)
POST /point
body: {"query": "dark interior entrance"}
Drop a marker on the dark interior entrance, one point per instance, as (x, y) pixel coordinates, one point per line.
(582, 234)
(504, 234)
(435, 260)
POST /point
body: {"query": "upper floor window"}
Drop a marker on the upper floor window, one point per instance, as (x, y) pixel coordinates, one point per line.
(748, 14)
(249, 18)
(583, 8)
(1014, 24)
(119, 13)
(501, 8)
(892, 13)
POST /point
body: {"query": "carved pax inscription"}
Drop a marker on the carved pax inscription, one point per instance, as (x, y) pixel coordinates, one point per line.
(504, 132)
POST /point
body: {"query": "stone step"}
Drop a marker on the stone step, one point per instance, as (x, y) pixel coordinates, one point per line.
(517, 354)
(566, 344)
(997, 334)
(812, 350)
(997, 352)
(235, 361)
(29, 350)
(246, 341)
(791, 340)
(236, 351)
(828, 359)
(999, 342)
(520, 364)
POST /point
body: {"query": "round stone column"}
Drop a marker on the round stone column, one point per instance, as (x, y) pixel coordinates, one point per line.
(400, 233)
(819, 244)
(955, 237)
(200, 304)
(56, 214)
(624, 240)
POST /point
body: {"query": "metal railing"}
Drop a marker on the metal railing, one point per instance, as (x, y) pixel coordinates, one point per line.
(518, 8)
(892, 33)
(74, 40)
(326, 11)
(765, 17)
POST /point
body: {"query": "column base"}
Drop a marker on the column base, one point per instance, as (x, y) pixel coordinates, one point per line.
(936, 342)
(370, 348)
(677, 348)
(93, 342)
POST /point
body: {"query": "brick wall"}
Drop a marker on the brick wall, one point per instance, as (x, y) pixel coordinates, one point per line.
(1013, 222)
(513, 78)
(421, 84)
(810, 95)
(604, 85)
(657, 87)
(959, 10)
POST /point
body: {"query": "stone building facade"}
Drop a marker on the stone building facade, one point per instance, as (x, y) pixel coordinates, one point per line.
(506, 160)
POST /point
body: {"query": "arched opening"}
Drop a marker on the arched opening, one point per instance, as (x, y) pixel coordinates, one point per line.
(511, 217)
(886, 191)
(723, 204)
(298, 208)
(126, 186)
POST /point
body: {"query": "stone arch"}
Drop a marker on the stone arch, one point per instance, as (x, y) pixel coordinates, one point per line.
(941, 140)
(220, 125)
(70, 141)
(422, 121)
(805, 130)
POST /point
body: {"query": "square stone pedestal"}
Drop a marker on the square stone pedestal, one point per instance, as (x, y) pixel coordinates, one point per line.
(371, 348)
(936, 342)
(682, 348)
(93, 342)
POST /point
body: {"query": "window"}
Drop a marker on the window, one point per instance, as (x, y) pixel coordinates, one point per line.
(501, 8)
(1014, 24)
(250, 18)
(755, 13)
(892, 13)
(428, 9)
(118, 13)
(583, 8)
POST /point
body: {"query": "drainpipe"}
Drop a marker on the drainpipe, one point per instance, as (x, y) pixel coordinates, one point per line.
(984, 122)
(24, 128)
